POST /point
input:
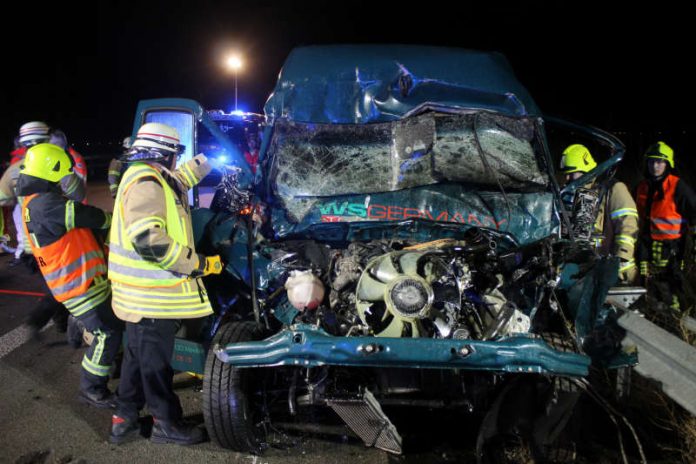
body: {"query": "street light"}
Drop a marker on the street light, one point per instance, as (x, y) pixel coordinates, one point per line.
(234, 63)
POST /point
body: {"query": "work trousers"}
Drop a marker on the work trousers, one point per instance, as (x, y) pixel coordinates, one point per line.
(46, 309)
(146, 373)
(97, 361)
(664, 263)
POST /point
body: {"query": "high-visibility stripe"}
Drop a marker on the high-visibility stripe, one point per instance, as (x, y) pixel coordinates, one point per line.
(93, 368)
(172, 255)
(143, 224)
(660, 232)
(157, 310)
(630, 264)
(70, 215)
(147, 295)
(95, 296)
(627, 239)
(127, 269)
(62, 272)
(668, 221)
(81, 280)
(155, 302)
(189, 175)
(624, 212)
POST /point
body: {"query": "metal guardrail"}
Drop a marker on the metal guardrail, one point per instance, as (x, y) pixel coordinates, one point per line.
(663, 357)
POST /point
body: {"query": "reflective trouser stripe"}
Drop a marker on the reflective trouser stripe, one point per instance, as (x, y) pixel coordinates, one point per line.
(643, 268)
(92, 365)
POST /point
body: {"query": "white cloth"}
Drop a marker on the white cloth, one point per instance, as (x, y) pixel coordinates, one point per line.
(19, 226)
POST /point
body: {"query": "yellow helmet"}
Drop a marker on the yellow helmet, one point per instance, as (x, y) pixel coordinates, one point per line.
(577, 158)
(661, 150)
(46, 161)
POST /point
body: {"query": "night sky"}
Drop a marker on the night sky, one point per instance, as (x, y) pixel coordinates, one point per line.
(627, 70)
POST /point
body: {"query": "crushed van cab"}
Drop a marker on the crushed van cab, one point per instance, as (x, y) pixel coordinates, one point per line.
(403, 242)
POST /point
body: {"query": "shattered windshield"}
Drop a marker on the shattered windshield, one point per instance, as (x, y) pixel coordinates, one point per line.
(315, 160)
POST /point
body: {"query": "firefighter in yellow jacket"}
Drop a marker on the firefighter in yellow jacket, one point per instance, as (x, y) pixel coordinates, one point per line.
(155, 274)
(617, 219)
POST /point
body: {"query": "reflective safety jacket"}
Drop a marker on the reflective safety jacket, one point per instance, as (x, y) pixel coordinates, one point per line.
(66, 250)
(152, 254)
(617, 222)
(667, 208)
(665, 220)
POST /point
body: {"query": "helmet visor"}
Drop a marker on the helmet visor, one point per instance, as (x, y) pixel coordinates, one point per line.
(177, 148)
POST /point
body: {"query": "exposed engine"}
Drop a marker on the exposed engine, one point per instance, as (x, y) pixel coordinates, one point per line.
(448, 288)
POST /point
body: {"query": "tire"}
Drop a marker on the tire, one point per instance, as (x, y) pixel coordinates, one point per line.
(231, 404)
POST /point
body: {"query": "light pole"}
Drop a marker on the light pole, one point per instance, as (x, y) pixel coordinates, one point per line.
(234, 63)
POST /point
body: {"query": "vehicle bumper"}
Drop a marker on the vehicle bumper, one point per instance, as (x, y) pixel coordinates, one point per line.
(308, 346)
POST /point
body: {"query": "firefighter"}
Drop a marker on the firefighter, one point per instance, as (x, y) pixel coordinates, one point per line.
(74, 188)
(30, 134)
(667, 208)
(617, 218)
(155, 273)
(71, 258)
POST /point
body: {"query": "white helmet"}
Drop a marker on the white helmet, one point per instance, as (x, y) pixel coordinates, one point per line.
(32, 133)
(154, 141)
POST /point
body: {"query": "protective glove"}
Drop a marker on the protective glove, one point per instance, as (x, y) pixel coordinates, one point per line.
(627, 272)
(213, 265)
(208, 265)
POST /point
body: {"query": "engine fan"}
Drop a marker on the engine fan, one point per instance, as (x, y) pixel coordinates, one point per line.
(396, 292)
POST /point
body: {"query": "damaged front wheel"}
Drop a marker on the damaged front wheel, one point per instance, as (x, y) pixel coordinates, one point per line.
(232, 401)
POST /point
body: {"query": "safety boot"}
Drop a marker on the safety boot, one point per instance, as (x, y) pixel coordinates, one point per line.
(102, 400)
(177, 432)
(123, 429)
